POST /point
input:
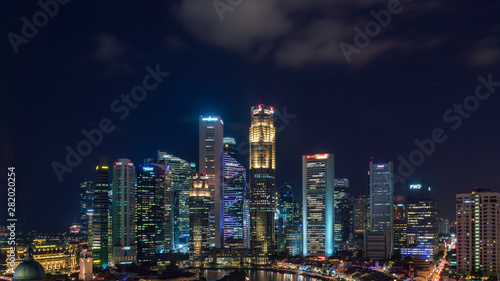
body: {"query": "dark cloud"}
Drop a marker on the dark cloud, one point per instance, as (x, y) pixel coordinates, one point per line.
(113, 54)
(484, 53)
(173, 42)
(295, 33)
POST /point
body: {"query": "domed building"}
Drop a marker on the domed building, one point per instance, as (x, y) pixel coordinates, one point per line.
(29, 269)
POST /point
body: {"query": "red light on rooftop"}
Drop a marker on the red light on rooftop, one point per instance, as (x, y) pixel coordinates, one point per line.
(260, 106)
(272, 108)
(316, 156)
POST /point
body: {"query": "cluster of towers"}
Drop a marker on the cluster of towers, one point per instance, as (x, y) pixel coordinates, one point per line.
(135, 213)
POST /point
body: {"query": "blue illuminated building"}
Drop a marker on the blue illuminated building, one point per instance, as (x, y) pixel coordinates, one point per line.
(180, 173)
(318, 205)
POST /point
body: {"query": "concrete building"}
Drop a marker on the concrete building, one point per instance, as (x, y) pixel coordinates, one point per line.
(86, 265)
(478, 233)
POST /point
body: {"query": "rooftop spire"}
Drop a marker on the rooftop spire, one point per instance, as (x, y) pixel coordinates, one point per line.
(29, 254)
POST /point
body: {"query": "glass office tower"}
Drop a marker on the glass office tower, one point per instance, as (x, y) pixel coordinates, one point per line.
(382, 201)
(123, 213)
(318, 204)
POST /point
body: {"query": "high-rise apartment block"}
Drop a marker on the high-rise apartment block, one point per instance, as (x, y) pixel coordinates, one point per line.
(478, 233)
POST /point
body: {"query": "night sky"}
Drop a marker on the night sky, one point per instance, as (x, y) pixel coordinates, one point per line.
(285, 53)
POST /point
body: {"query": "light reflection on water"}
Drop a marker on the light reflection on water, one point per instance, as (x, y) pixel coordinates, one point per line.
(257, 275)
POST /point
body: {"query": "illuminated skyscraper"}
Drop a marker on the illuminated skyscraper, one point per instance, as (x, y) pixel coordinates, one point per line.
(343, 213)
(180, 173)
(211, 130)
(123, 213)
(86, 196)
(361, 216)
(230, 147)
(100, 219)
(421, 216)
(478, 232)
(382, 202)
(288, 221)
(150, 213)
(318, 204)
(262, 140)
(400, 223)
(235, 189)
(199, 220)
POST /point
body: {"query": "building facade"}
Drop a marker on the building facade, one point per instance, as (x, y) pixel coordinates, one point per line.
(262, 139)
(343, 214)
(287, 220)
(86, 265)
(211, 132)
(199, 220)
(230, 147)
(151, 192)
(180, 174)
(123, 213)
(382, 200)
(422, 215)
(361, 217)
(101, 215)
(234, 195)
(86, 197)
(400, 222)
(478, 234)
(318, 214)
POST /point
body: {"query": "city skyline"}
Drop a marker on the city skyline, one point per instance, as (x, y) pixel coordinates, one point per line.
(400, 88)
(238, 151)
